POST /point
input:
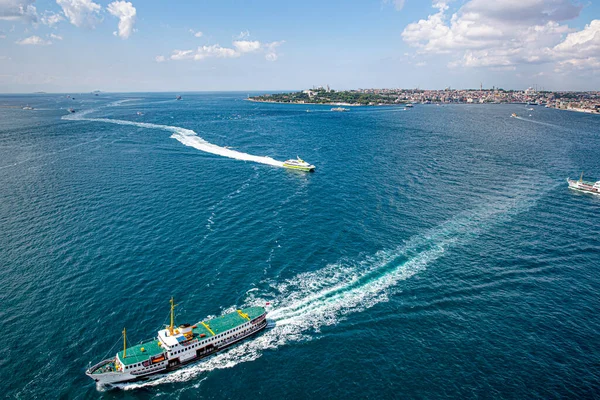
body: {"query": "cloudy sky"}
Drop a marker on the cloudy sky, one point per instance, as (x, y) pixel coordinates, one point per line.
(169, 45)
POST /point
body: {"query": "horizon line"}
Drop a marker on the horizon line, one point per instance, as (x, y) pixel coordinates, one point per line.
(288, 90)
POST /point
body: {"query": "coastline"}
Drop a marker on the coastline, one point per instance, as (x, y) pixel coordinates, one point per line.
(317, 104)
(580, 110)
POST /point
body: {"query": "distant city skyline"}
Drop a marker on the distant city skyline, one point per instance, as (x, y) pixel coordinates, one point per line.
(152, 45)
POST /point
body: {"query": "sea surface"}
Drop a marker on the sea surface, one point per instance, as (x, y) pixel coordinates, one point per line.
(436, 252)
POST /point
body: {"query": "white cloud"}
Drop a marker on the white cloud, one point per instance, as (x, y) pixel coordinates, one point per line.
(271, 49)
(182, 54)
(580, 50)
(23, 10)
(243, 35)
(591, 64)
(585, 42)
(214, 51)
(247, 46)
(126, 13)
(398, 4)
(160, 59)
(501, 34)
(81, 12)
(202, 52)
(196, 33)
(56, 37)
(34, 40)
(51, 19)
(240, 47)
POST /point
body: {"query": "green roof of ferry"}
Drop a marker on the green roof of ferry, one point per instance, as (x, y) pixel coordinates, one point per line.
(217, 325)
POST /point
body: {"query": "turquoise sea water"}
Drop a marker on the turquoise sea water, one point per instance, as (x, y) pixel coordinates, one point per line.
(435, 252)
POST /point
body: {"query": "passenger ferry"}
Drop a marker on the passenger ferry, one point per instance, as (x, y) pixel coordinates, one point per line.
(176, 346)
(299, 164)
(583, 186)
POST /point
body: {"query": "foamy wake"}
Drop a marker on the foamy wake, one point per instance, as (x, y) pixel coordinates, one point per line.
(541, 123)
(186, 136)
(312, 300)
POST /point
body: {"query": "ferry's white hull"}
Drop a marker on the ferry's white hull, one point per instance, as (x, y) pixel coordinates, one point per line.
(575, 185)
(111, 378)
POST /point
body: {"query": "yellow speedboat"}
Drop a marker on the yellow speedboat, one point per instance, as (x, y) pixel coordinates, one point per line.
(299, 164)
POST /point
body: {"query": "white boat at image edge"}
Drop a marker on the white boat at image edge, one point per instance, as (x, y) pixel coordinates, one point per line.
(299, 164)
(583, 186)
(175, 346)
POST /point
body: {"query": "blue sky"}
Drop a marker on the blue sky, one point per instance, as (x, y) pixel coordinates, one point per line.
(160, 45)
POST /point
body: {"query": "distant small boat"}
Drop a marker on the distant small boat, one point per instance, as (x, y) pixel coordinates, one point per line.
(583, 186)
(340, 109)
(409, 105)
(530, 109)
(178, 97)
(140, 113)
(71, 110)
(513, 115)
(299, 164)
(27, 108)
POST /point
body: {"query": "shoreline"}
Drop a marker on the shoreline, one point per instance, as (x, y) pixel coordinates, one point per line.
(317, 104)
(580, 110)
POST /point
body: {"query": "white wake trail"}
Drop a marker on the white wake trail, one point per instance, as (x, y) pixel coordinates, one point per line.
(312, 300)
(185, 136)
(542, 123)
